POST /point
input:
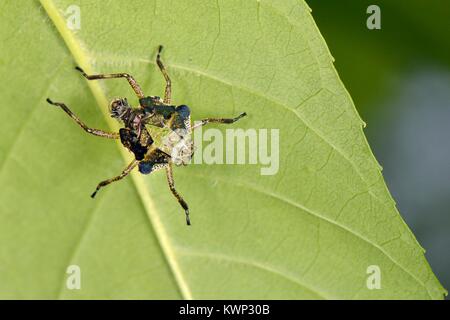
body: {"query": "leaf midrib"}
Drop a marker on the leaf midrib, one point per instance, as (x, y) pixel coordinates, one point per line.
(158, 228)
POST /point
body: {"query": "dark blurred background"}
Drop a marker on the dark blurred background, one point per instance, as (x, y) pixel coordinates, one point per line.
(399, 78)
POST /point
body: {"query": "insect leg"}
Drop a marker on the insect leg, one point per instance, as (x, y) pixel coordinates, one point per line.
(137, 89)
(96, 132)
(176, 194)
(124, 173)
(168, 90)
(219, 120)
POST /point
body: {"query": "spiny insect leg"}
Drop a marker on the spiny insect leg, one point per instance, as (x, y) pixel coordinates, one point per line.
(176, 194)
(168, 90)
(96, 132)
(119, 177)
(137, 89)
(219, 120)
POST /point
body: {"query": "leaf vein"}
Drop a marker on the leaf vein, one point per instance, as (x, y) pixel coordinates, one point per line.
(319, 216)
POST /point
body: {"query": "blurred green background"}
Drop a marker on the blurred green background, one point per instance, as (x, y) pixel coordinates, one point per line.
(399, 79)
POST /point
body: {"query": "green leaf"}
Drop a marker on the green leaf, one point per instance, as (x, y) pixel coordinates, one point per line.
(308, 232)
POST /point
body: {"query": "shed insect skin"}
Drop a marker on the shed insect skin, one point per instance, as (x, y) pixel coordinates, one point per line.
(134, 136)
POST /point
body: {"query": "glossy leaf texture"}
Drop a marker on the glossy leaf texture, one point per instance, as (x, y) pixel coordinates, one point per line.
(308, 232)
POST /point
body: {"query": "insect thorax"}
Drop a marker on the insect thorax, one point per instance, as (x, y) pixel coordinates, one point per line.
(157, 125)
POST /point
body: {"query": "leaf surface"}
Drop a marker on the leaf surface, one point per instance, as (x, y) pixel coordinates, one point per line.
(308, 232)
